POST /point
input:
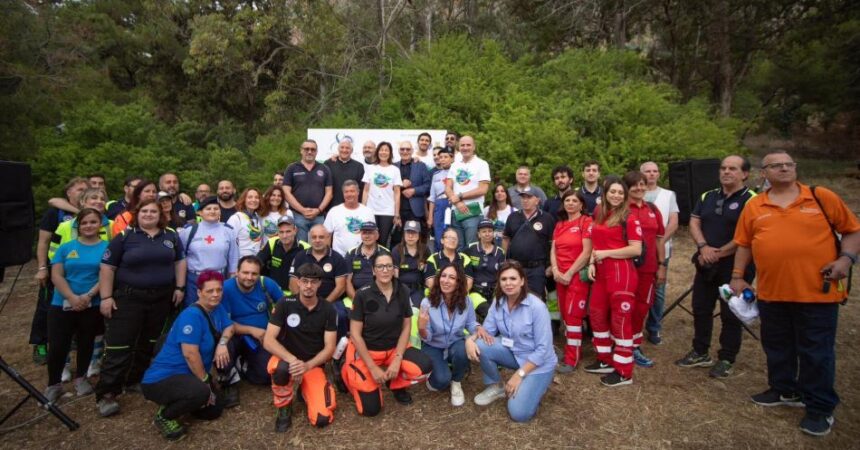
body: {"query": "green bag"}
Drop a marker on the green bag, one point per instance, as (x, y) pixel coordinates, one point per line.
(474, 211)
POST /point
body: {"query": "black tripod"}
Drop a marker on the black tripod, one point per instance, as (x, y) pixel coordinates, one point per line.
(677, 303)
(26, 386)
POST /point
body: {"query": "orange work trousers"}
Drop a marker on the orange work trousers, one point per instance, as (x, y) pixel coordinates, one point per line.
(317, 392)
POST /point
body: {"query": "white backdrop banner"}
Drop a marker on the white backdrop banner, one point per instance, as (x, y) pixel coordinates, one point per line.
(328, 139)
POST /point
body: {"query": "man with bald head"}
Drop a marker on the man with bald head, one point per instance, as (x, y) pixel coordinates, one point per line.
(467, 184)
(712, 226)
(226, 193)
(368, 150)
(344, 168)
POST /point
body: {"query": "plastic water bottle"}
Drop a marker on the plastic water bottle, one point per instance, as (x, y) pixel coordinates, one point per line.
(341, 347)
(748, 295)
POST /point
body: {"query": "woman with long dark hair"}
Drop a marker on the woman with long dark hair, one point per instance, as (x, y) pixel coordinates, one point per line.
(615, 240)
(445, 314)
(382, 184)
(519, 337)
(570, 252)
(498, 211)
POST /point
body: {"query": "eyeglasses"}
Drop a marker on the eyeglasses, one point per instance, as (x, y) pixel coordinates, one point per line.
(780, 166)
(384, 267)
(405, 149)
(308, 149)
(719, 210)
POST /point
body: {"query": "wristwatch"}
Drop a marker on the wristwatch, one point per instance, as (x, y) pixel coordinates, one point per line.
(851, 256)
(521, 373)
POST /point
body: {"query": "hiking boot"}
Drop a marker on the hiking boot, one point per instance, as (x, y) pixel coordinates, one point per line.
(283, 419)
(172, 430)
(615, 379)
(694, 359)
(640, 359)
(599, 367)
(230, 396)
(771, 397)
(492, 393)
(816, 424)
(40, 354)
(402, 396)
(54, 392)
(83, 387)
(107, 406)
(722, 369)
(565, 368)
(458, 398)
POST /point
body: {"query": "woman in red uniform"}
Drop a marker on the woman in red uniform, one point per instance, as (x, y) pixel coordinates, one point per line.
(652, 269)
(571, 250)
(615, 241)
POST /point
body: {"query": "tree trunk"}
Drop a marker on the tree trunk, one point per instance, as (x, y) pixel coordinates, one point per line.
(721, 55)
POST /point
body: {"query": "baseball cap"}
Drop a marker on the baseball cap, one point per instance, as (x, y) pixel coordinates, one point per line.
(162, 194)
(286, 219)
(208, 201)
(526, 191)
(412, 225)
(485, 223)
(369, 226)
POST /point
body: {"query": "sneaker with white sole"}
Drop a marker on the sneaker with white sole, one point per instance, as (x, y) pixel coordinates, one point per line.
(641, 360)
(492, 393)
(816, 424)
(54, 392)
(693, 359)
(67, 373)
(95, 368)
(771, 397)
(614, 379)
(599, 367)
(458, 398)
(83, 387)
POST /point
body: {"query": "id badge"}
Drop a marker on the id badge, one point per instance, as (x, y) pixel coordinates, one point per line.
(508, 342)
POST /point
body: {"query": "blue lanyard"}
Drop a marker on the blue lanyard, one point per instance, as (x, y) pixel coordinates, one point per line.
(442, 312)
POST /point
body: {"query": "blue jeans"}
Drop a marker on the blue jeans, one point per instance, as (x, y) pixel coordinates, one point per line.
(442, 375)
(467, 230)
(303, 226)
(439, 221)
(655, 315)
(799, 342)
(524, 405)
(190, 297)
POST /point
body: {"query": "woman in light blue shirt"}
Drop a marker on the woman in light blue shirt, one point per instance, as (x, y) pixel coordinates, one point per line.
(520, 338)
(444, 316)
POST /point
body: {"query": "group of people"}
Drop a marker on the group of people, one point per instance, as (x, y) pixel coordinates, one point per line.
(332, 280)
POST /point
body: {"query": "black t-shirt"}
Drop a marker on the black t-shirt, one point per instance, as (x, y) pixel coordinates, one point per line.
(383, 320)
(332, 264)
(52, 219)
(342, 171)
(278, 264)
(144, 262)
(226, 213)
(302, 330)
(116, 208)
(308, 186)
(530, 239)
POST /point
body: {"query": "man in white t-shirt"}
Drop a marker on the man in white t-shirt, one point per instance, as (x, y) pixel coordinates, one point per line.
(467, 184)
(424, 154)
(344, 221)
(667, 203)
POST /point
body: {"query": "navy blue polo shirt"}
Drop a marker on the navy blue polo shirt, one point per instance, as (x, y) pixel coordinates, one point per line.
(485, 265)
(53, 218)
(592, 199)
(552, 205)
(361, 266)
(529, 239)
(410, 269)
(184, 213)
(308, 186)
(144, 262)
(333, 266)
(719, 229)
(116, 208)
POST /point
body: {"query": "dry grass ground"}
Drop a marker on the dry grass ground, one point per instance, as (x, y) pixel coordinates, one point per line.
(666, 407)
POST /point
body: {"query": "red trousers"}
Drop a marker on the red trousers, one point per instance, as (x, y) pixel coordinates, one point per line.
(613, 296)
(645, 291)
(571, 303)
(414, 368)
(316, 390)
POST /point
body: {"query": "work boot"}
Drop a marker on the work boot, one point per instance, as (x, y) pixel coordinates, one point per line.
(230, 396)
(402, 396)
(284, 419)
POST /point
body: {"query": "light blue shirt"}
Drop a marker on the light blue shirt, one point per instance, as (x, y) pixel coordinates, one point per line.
(214, 247)
(444, 330)
(529, 326)
(437, 185)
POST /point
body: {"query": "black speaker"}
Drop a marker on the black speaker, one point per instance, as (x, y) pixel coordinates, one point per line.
(689, 179)
(17, 214)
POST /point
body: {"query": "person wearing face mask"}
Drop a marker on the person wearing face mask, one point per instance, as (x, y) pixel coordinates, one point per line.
(179, 379)
(651, 268)
(247, 224)
(443, 318)
(378, 351)
(209, 245)
(518, 336)
(141, 279)
(74, 308)
(615, 240)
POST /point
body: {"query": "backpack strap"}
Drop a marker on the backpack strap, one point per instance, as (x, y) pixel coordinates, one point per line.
(191, 235)
(836, 239)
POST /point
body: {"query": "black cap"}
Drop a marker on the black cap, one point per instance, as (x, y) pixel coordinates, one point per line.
(369, 226)
(485, 223)
(526, 191)
(208, 201)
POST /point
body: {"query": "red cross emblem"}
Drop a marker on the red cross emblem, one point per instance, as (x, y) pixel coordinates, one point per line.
(209, 239)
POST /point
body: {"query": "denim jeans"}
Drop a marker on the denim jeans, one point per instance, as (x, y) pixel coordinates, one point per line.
(442, 374)
(523, 406)
(655, 315)
(467, 230)
(799, 341)
(303, 226)
(439, 222)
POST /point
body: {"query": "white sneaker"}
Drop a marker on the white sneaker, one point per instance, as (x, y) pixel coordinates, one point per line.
(67, 373)
(95, 368)
(492, 393)
(53, 393)
(458, 398)
(83, 387)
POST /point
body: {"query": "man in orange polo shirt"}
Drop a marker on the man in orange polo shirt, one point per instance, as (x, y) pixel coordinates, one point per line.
(801, 281)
